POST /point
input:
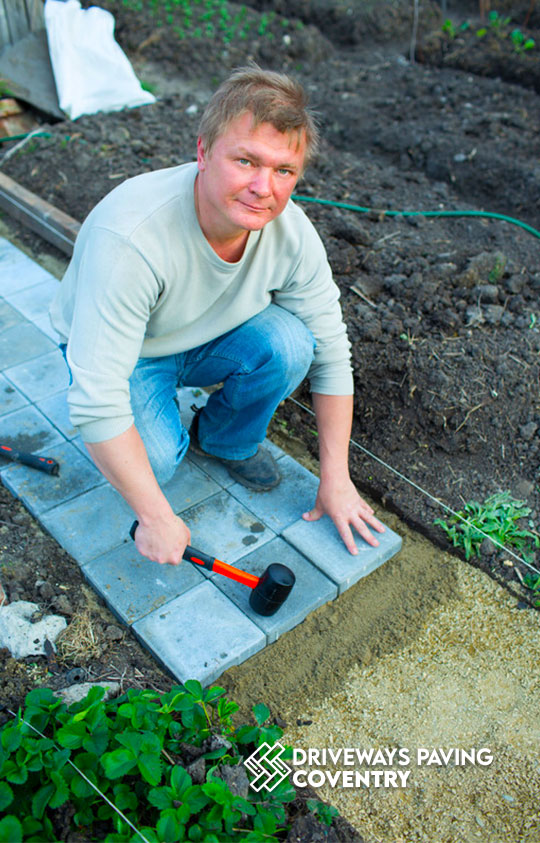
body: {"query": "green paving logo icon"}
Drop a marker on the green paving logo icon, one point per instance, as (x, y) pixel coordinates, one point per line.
(267, 767)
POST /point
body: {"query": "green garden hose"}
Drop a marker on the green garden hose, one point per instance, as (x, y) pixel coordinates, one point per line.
(486, 214)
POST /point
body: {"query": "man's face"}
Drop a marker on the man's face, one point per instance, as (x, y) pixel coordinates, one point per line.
(247, 178)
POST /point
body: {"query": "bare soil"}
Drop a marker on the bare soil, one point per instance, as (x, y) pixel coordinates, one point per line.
(443, 312)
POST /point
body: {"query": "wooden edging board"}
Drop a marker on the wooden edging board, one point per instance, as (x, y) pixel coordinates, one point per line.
(52, 224)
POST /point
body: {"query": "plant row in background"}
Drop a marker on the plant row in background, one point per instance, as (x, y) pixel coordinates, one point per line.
(172, 764)
(503, 519)
(214, 19)
(497, 25)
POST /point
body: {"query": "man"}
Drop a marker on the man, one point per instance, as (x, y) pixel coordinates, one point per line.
(204, 274)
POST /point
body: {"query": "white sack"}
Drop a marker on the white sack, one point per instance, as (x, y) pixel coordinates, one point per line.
(91, 71)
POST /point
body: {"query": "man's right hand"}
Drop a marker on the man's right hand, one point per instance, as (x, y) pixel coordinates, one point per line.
(163, 541)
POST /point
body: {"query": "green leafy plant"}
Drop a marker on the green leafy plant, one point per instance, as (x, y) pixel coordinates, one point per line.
(122, 769)
(520, 42)
(499, 519)
(450, 29)
(324, 813)
(532, 582)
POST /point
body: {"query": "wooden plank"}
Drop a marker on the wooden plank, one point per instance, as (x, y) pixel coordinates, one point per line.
(52, 224)
(17, 19)
(4, 27)
(34, 11)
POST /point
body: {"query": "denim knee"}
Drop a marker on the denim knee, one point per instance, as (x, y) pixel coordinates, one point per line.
(291, 346)
(165, 455)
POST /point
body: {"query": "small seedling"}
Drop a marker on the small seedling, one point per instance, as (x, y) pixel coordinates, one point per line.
(498, 518)
(532, 582)
(521, 44)
(324, 813)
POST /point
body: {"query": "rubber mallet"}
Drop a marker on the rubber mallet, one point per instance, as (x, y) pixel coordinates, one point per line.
(268, 592)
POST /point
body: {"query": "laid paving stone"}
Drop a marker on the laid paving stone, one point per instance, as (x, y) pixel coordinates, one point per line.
(17, 270)
(91, 524)
(282, 506)
(22, 342)
(55, 408)
(10, 398)
(200, 634)
(44, 325)
(40, 491)
(28, 430)
(320, 542)
(223, 528)
(34, 302)
(311, 589)
(133, 586)
(41, 376)
(9, 316)
(188, 486)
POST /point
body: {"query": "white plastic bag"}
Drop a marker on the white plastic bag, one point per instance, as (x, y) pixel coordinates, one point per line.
(91, 71)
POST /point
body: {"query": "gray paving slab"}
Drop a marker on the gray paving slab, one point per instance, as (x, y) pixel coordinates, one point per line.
(40, 377)
(10, 398)
(9, 316)
(222, 527)
(285, 504)
(34, 302)
(311, 589)
(90, 524)
(41, 492)
(319, 541)
(44, 325)
(133, 586)
(28, 430)
(17, 270)
(188, 486)
(21, 343)
(200, 634)
(55, 408)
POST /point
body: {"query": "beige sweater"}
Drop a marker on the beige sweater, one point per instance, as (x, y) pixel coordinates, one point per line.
(144, 282)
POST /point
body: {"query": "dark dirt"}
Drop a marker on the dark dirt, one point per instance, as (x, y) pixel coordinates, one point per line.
(443, 313)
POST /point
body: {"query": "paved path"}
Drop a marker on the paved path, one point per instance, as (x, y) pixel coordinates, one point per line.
(196, 624)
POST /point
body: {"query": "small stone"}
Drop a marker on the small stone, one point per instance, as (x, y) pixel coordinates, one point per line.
(192, 109)
(62, 604)
(113, 633)
(21, 636)
(46, 591)
(197, 771)
(74, 693)
(527, 431)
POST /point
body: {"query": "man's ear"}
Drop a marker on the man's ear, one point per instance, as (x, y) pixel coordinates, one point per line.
(201, 154)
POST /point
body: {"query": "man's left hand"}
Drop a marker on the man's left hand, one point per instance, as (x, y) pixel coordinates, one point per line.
(341, 501)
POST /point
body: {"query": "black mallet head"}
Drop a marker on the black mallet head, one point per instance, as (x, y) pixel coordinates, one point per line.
(272, 590)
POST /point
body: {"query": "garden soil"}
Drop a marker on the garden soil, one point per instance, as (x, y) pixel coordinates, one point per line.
(443, 316)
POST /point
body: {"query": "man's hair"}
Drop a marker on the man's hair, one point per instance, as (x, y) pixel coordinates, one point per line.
(271, 97)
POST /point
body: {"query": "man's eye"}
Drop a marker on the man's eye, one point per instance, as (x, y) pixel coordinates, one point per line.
(244, 161)
(284, 172)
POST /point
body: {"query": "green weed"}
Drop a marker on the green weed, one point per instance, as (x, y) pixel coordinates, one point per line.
(499, 519)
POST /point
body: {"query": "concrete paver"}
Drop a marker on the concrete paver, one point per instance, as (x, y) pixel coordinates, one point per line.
(133, 586)
(196, 623)
(191, 649)
(40, 377)
(323, 546)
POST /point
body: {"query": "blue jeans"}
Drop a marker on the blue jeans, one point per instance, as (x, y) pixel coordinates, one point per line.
(259, 363)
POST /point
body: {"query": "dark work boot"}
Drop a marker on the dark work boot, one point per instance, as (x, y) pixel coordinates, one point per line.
(260, 473)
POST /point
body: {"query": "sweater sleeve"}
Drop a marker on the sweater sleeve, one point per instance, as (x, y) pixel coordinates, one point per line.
(311, 294)
(115, 292)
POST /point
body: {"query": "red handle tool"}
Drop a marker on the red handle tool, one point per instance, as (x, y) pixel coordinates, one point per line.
(46, 464)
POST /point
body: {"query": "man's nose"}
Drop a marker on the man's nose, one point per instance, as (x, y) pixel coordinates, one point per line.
(261, 183)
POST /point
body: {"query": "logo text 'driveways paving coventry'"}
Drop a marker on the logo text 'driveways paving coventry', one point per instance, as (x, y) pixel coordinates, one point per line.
(266, 766)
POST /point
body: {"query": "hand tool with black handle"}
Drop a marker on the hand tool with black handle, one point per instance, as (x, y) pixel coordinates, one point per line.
(268, 592)
(46, 464)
